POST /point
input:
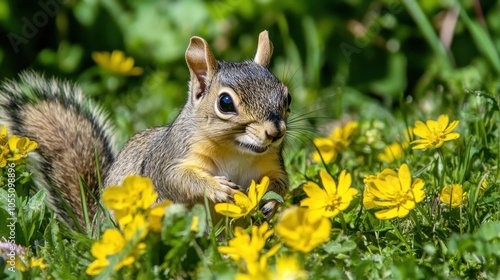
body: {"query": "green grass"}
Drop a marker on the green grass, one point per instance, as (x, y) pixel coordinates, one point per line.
(432, 241)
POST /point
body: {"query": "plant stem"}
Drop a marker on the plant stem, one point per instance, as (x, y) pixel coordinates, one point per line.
(342, 222)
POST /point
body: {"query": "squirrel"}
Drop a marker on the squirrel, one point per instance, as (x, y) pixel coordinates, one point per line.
(229, 132)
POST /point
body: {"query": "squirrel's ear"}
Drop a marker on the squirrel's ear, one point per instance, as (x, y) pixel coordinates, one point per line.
(264, 50)
(201, 63)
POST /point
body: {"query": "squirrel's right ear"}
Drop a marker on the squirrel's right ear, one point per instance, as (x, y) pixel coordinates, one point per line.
(201, 63)
(264, 50)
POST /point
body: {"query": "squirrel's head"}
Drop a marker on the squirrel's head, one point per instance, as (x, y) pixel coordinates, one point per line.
(238, 103)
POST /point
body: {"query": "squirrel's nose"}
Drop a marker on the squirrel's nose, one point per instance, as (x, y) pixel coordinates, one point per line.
(274, 135)
(275, 132)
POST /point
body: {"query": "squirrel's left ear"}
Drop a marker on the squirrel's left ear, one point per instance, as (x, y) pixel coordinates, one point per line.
(201, 63)
(264, 50)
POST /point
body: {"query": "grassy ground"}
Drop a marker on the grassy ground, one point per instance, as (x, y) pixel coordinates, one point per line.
(392, 211)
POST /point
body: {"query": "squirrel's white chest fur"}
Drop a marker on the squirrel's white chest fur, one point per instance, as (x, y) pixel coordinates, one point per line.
(240, 169)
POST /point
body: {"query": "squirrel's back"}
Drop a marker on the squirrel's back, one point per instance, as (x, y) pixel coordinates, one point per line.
(73, 135)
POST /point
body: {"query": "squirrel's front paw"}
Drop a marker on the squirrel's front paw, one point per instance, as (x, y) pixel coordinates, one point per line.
(225, 190)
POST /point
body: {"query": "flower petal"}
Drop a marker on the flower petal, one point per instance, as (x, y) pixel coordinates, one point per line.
(402, 212)
(262, 188)
(418, 190)
(368, 197)
(421, 129)
(433, 126)
(326, 150)
(404, 176)
(252, 192)
(451, 127)
(313, 190)
(330, 213)
(443, 121)
(328, 183)
(315, 214)
(420, 144)
(408, 205)
(229, 210)
(451, 136)
(312, 203)
(345, 182)
(387, 214)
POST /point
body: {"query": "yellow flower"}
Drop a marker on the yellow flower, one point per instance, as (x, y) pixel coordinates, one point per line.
(289, 268)
(368, 197)
(136, 194)
(137, 225)
(395, 192)
(392, 152)
(4, 152)
(343, 135)
(20, 147)
(112, 243)
(131, 203)
(194, 224)
(117, 62)
(452, 195)
(326, 148)
(484, 186)
(482, 189)
(34, 262)
(21, 264)
(4, 137)
(434, 133)
(246, 250)
(300, 232)
(337, 142)
(243, 204)
(331, 200)
(261, 274)
(156, 214)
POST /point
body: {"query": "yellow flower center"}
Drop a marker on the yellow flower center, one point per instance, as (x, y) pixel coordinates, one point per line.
(402, 197)
(436, 137)
(333, 202)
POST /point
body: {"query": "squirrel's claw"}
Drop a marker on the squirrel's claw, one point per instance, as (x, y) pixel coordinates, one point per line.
(226, 190)
(224, 181)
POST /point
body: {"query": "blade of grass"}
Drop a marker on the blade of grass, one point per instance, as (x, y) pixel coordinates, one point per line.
(314, 47)
(83, 200)
(100, 209)
(481, 39)
(67, 209)
(428, 32)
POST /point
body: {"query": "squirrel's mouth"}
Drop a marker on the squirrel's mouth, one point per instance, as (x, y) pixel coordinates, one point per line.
(253, 148)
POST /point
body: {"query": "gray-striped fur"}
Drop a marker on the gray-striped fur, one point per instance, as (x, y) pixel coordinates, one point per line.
(69, 130)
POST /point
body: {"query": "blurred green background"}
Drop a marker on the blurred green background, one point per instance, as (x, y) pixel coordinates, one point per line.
(352, 56)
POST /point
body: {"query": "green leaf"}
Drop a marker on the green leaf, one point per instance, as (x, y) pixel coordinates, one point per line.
(4, 230)
(33, 213)
(199, 211)
(336, 247)
(272, 195)
(489, 231)
(4, 199)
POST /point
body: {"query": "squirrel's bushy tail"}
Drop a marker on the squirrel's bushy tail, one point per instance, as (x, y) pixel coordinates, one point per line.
(71, 133)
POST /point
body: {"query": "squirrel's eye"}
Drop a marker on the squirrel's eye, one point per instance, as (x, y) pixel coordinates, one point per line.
(226, 104)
